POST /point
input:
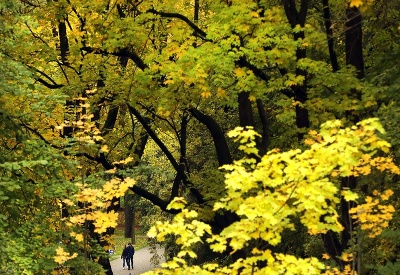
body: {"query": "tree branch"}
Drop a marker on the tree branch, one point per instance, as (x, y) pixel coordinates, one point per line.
(121, 53)
(52, 85)
(167, 153)
(40, 136)
(181, 17)
(221, 147)
(48, 85)
(110, 120)
(154, 199)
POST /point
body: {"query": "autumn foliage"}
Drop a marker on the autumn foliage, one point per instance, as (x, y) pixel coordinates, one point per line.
(268, 195)
(250, 136)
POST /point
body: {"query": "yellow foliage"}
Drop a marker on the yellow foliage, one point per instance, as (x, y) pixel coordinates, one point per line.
(78, 237)
(63, 256)
(96, 201)
(206, 94)
(356, 3)
(104, 220)
(373, 216)
(240, 72)
(266, 195)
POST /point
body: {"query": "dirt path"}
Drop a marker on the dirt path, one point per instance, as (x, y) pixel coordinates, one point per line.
(141, 263)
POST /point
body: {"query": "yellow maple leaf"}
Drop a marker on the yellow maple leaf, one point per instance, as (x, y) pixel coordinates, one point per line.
(104, 149)
(206, 94)
(326, 256)
(63, 256)
(355, 3)
(221, 92)
(349, 195)
(77, 236)
(239, 72)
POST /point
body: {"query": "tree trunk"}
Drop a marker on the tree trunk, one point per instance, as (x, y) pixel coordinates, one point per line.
(220, 144)
(353, 41)
(354, 57)
(298, 17)
(329, 35)
(245, 110)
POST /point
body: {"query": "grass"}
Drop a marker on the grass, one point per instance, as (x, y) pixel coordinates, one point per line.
(120, 241)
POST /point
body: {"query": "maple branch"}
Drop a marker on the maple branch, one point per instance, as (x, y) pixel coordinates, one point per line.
(48, 85)
(261, 74)
(167, 153)
(243, 62)
(154, 199)
(154, 114)
(54, 85)
(294, 17)
(110, 120)
(181, 17)
(154, 136)
(40, 136)
(221, 147)
(133, 56)
(121, 53)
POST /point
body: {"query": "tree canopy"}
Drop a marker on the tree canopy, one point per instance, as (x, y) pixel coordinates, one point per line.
(111, 97)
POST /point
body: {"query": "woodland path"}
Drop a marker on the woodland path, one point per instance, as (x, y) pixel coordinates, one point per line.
(141, 262)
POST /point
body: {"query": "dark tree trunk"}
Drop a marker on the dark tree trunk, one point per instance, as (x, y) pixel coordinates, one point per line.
(245, 110)
(64, 47)
(329, 35)
(298, 17)
(333, 246)
(178, 168)
(110, 120)
(353, 41)
(221, 147)
(354, 57)
(347, 222)
(265, 139)
(128, 211)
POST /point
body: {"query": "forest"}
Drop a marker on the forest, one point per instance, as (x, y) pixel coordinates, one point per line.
(252, 136)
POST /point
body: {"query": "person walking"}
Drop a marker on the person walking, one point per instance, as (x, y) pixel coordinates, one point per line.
(129, 255)
(124, 257)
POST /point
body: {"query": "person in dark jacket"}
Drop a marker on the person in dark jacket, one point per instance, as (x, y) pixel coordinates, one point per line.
(129, 255)
(124, 257)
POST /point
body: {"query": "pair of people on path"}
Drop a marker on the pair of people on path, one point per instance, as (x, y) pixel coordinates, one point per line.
(127, 256)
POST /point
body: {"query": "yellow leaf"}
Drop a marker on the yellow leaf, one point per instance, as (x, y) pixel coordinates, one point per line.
(326, 256)
(349, 195)
(104, 148)
(385, 196)
(254, 14)
(63, 256)
(252, 98)
(206, 94)
(356, 3)
(220, 92)
(78, 237)
(169, 81)
(239, 72)
(177, 203)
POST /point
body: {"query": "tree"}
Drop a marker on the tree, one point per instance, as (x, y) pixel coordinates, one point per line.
(134, 71)
(270, 194)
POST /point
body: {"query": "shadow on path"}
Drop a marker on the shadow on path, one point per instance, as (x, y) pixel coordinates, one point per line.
(141, 262)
